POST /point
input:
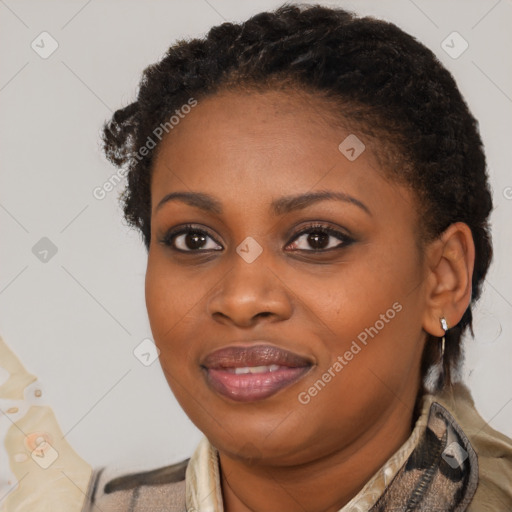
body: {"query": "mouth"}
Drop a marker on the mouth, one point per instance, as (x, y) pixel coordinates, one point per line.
(247, 374)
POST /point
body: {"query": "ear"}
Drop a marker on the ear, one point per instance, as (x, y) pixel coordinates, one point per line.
(450, 260)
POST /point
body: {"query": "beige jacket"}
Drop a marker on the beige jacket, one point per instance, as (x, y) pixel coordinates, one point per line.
(453, 461)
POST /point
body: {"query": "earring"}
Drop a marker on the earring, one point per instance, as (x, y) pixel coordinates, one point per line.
(444, 326)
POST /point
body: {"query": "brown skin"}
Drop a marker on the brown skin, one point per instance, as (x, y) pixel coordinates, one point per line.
(246, 150)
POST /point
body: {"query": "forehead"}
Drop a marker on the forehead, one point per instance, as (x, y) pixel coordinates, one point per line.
(260, 144)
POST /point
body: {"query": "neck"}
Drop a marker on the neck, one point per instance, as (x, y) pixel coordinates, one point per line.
(324, 484)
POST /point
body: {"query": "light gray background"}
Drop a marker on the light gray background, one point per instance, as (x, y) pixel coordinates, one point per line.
(75, 320)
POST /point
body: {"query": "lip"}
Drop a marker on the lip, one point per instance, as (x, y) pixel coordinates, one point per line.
(256, 372)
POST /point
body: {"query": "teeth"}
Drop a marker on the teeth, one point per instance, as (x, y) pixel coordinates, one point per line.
(256, 369)
(259, 369)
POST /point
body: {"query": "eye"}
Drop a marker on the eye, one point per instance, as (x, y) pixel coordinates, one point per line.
(319, 238)
(190, 239)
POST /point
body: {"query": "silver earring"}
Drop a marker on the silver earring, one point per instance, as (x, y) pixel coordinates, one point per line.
(444, 326)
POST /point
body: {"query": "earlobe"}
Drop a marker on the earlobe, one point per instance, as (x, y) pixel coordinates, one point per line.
(450, 263)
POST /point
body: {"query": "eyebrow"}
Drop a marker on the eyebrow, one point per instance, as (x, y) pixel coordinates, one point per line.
(199, 200)
(289, 204)
(281, 206)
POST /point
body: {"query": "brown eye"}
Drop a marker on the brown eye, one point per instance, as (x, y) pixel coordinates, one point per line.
(319, 238)
(194, 240)
(190, 239)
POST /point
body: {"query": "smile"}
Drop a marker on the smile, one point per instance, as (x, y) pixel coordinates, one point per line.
(247, 374)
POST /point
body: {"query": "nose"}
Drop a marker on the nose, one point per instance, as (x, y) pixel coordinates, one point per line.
(250, 293)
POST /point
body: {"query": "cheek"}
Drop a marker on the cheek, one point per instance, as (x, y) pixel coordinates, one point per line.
(374, 302)
(161, 302)
(355, 294)
(170, 306)
(172, 297)
(176, 299)
(371, 348)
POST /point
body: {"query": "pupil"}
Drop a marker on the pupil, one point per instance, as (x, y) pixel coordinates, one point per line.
(195, 240)
(318, 240)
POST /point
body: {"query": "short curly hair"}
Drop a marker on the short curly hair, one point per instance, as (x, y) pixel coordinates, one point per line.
(387, 85)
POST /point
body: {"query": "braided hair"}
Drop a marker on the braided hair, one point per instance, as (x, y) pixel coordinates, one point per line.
(382, 81)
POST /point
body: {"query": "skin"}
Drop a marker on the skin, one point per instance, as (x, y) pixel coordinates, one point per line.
(247, 150)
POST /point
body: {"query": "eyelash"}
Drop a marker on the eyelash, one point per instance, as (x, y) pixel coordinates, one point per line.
(169, 238)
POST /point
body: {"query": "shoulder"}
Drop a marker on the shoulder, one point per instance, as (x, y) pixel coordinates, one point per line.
(493, 449)
(163, 488)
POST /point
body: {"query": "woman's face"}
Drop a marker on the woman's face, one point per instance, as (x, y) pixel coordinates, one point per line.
(285, 287)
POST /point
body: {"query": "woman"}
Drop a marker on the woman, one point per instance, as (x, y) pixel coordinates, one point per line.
(315, 205)
(312, 192)
(315, 212)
